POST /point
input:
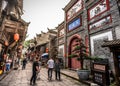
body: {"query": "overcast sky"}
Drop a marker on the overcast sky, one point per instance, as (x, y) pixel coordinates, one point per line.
(43, 14)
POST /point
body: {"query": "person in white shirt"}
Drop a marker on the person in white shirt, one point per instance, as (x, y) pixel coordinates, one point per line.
(50, 66)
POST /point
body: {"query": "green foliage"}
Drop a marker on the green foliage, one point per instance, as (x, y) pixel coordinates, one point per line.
(83, 54)
(26, 44)
(72, 56)
(96, 58)
(77, 47)
(80, 47)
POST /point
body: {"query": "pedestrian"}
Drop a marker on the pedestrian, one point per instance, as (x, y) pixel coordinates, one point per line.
(7, 66)
(38, 75)
(35, 71)
(57, 69)
(50, 66)
(24, 63)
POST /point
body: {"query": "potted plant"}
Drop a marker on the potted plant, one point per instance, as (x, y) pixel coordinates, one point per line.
(72, 55)
(84, 72)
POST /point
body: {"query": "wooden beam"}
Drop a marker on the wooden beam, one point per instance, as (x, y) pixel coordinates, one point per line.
(12, 45)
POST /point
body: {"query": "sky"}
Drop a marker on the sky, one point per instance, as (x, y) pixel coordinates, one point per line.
(43, 14)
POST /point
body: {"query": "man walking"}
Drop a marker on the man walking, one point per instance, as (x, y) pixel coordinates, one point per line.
(50, 64)
(24, 63)
(57, 69)
(35, 70)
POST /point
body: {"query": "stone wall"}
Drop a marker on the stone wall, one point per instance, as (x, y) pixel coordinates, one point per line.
(108, 31)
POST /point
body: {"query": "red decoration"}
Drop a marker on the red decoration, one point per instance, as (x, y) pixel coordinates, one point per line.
(16, 36)
(65, 55)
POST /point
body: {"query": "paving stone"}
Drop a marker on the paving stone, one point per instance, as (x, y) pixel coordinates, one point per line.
(22, 78)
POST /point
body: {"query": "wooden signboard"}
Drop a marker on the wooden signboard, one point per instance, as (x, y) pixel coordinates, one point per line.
(101, 74)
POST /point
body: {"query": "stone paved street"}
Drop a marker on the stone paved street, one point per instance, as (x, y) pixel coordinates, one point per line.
(22, 78)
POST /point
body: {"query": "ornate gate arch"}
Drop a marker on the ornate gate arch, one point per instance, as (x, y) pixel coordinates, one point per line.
(72, 62)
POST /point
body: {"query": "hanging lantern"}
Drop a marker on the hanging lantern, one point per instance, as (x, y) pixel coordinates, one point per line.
(16, 36)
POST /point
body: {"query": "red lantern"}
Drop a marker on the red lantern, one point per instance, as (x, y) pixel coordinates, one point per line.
(16, 36)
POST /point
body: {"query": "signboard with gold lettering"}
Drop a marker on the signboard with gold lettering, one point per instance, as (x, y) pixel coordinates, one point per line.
(100, 73)
(99, 67)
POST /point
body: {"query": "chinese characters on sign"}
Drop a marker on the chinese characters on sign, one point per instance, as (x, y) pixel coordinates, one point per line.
(77, 7)
(74, 24)
(99, 67)
(61, 32)
(98, 77)
(99, 8)
(100, 73)
(100, 23)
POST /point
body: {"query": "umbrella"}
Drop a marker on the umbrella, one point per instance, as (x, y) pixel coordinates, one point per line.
(44, 54)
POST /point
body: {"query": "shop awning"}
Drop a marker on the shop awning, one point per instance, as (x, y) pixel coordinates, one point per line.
(112, 43)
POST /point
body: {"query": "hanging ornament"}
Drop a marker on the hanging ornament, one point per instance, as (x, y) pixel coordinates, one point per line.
(16, 36)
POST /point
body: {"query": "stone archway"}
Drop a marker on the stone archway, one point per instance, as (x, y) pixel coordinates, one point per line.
(72, 62)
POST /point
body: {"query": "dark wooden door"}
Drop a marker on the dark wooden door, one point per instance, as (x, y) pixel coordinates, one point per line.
(118, 61)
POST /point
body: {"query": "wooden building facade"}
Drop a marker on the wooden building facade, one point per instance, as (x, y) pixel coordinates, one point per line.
(13, 28)
(93, 21)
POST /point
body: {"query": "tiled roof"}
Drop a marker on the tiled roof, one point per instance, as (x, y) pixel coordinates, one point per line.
(111, 43)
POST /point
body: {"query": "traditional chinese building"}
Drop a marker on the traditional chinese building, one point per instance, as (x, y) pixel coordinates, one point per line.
(45, 42)
(76, 29)
(61, 42)
(13, 28)
(93, 21)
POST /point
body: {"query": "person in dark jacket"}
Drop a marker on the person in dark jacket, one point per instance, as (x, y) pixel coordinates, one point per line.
(35, 71)
(24, 63)
(57, 69)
